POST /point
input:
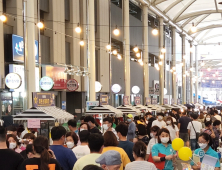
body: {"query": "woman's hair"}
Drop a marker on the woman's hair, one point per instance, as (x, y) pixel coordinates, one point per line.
(92, 167)
(73, 136)
(86, 125)
(110, 139)
(141, 130)
(29, 136)
(161, 131)
(170, 118)
(206, 117)
(201, 115)
(11, 136)
(207, 138)
(155, 129)
(41, 147)
(139, 149)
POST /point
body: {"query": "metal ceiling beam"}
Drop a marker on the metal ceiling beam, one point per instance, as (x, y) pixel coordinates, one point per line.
(183, 9)
(205, 34)
(187, 21)
(197, 14)
(159, 1)
(215, 1)
(205, 28)
(212, 36)
(171, 6)
(201, 19)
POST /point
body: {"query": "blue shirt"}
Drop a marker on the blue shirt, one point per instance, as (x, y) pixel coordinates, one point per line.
(160, 148)
(127, 146)
(64, 156)
(209, 152)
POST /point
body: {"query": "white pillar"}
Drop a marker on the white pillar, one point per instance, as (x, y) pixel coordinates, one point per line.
(191, 74)
(183, 70)
(145, 53)
(2, 64)
(91, 51)
(30, 51)
(126, 45)
(161, 71)
(174, 76)
(196, 71)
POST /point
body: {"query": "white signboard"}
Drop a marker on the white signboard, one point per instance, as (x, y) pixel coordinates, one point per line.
(13, 80)
(135, 89)
(98, 86)
(46, 83)
(116, 88)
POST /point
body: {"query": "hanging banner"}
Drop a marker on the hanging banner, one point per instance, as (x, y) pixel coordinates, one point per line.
(151, 90)
(156, 87)
(137, 100)
(172, 101)
(178, 101)
(125, 100)
(148, 101)
(43, 99)
(154, 101)
(165, 101)
(103, 100)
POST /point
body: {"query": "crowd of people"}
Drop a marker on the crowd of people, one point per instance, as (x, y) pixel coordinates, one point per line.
(136, 143)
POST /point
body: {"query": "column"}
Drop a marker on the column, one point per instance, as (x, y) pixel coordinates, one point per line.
(161, 71)
(196, 71)
(2, 62)
(145, 53)
(183, 70)
(126, 45)
(174, 76)
(91, 51)
(30, 85)
(191, 73)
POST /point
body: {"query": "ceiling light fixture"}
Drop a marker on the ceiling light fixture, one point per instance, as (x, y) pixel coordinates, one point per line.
(193, 28)
(136, 49)
(116, 31)
(155, 31)
(78, 29)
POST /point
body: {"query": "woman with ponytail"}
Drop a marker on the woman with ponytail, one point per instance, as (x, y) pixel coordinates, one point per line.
(43, 158)
(139, 154)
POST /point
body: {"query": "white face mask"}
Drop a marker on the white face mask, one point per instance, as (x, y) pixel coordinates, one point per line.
(105, 126)
(70, 145)
(12, 145)
(207, 119)
(81, 129)
(151, 135)
(168, 122)
(203, 145)
(160, 117)
(165, 140)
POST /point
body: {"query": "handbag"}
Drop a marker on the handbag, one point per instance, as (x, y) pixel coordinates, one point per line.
(197, 133)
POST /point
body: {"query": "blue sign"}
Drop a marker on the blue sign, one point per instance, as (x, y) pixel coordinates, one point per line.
(63, 105)
(210, 84)
(18, 49)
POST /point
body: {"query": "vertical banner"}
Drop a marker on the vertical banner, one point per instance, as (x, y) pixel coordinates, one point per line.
(137, 100)
(103, 100)
(195, 101)
(125, 100)
(148, 101)
(165, 101)
(154, 101)
(178, 101)
(172, 101)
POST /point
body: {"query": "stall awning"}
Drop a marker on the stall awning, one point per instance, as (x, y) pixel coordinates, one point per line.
(129, 109)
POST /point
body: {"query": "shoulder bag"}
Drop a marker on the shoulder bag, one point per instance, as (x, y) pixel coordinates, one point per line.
(197, 133)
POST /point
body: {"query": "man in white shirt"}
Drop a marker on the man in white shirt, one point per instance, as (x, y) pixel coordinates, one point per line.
(194, 127)
(83, 149)
(159, 122)
(108, 126)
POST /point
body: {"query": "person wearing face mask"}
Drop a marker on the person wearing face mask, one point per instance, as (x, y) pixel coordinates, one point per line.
(159, 122)
(71, 140)
(205, 142)
(12, 143)
(173, 129)
(217, 132)
(84, 126)
(150, 120)
(27, 139)
(107, 126)
(131, 128)
(209, 117)
(92, 124)
(164, 147)
(154, 140)
(65, 156)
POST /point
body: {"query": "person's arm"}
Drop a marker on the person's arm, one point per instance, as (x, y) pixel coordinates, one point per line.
(155, 153)
(189, 128)
(177, 131)
(148, 150)
(217, 168)
(197, 167)
(179, 126)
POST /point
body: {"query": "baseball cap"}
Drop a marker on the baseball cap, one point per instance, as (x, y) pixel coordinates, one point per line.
(109, 158)
(130, 116)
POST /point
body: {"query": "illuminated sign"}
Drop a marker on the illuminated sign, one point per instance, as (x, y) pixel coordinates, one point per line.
(13, 80)
(46, 83)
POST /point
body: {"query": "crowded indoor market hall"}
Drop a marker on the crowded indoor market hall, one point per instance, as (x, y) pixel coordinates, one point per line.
(110, 84)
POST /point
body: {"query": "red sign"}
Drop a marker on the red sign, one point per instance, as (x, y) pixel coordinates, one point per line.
(137, 100)
(58, 76)
(72, 85)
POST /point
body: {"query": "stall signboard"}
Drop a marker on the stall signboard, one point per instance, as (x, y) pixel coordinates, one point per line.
(137, 100)
(116, 88)
(156, 87)
(57, 75)
(43, 99)
(103, 100)
(154, 100)
(148, 101)
(63, 105)
(6, 96)
(165, 101)
(34, 123)
(46, 83)
(125, 100)
(172, 101)
(13, 80)
(151, 90)
(72, 85)
(91, 104)
(18, 49)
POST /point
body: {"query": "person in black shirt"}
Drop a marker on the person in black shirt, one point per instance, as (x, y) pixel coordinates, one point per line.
(9, 159)
(92, 124)
(150, 120)
(42, 158)
(8, 120)
(175, 115)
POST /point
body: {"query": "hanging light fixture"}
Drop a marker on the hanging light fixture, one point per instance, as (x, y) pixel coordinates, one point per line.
(157, 68)
(78, 29)
(208, 69)
(66, 70)
(161, 56)
(3, 18)
(85, 72)
(81, 43)
(71, 72)
(163, 50)
(108, 47)
(114, 52)
(160, 63)
(171, 70)
(141, 63)
(155, 31)
(181, 64)
(136, 49)
(203, 81)
(140, 60)
(202, 64)
(193, 28)
(174, 68)
(174, 72)
(116, 31)
(119, 56)
(138, 55)
(184, 75)
(40, 25)
(191, 69)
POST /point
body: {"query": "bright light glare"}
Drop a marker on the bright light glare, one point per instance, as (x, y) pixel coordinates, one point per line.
(40, 25)
(119, 56)
(193, 29)
(138, 55)
(136, 49)
(208, 69)
(116, 32)
(3, 18)
(160, 63)
(108, 47)
(78, 29)
(81, 43)
(155, 31)
(114, 52)
(163, 50)
(202, 64)
(161, 56)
